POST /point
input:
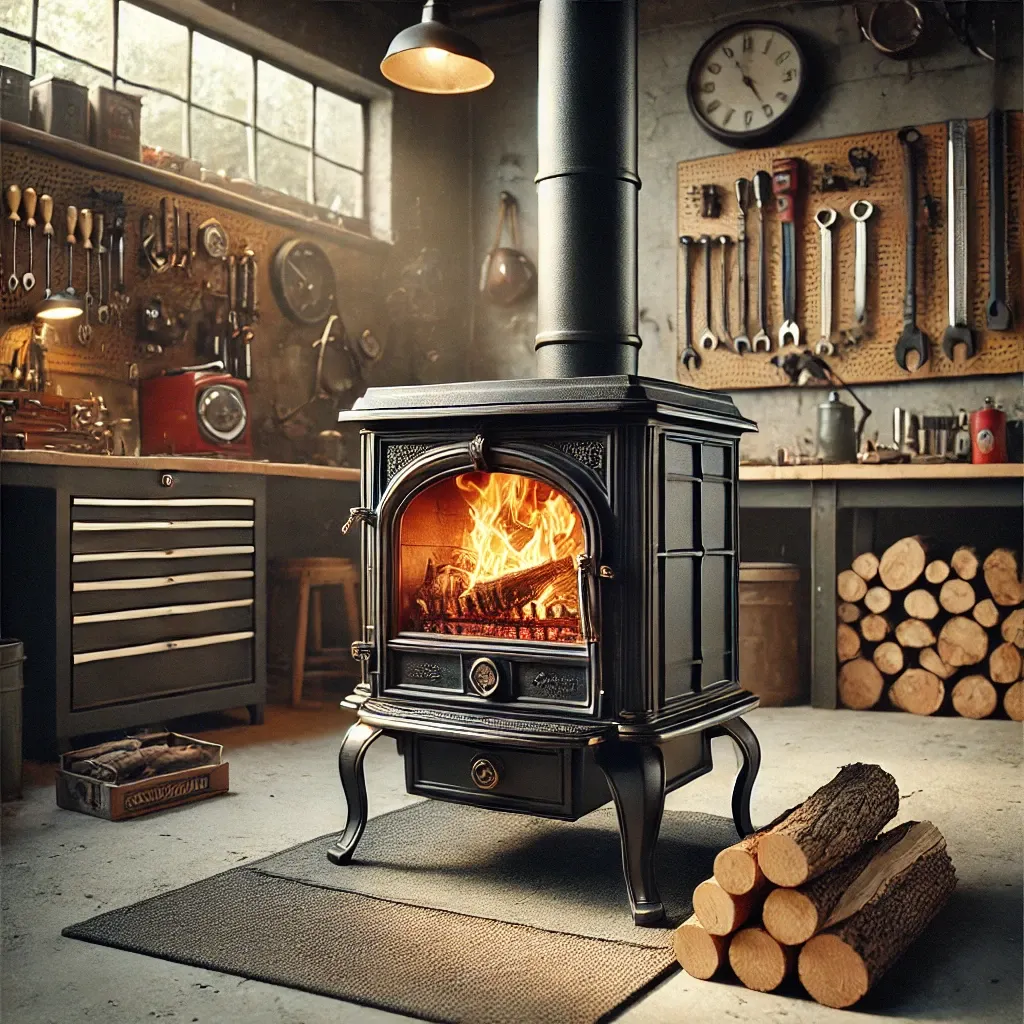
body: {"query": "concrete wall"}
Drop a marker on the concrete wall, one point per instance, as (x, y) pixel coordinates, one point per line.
(863, 92)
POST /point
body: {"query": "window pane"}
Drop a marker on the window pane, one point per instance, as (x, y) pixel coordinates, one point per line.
(83, 28)
(51, 64)
(282, 166)
(221, 77)
(284, 104)
(339, 129)
(142, 59)
(163, 119)
(15, 53)
(17, 16)
(338, 189)
(220, 145)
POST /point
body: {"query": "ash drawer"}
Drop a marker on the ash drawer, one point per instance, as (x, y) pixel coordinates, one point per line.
(113, 510)
(98, 631)
(115, 565)
(112, 595)
(141, 671)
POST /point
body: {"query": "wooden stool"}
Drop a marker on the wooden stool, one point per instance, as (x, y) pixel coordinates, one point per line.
(311, 574)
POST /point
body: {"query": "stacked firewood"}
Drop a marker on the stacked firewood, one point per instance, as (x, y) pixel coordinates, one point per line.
(120, 761)
(932, 632)
(820, 894)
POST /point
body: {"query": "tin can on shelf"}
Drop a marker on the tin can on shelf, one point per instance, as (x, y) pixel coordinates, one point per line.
(988, 434)
(14, 94)
(114, 121)
(60, 107)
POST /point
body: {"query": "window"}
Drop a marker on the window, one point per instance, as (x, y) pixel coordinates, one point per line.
(227, 106)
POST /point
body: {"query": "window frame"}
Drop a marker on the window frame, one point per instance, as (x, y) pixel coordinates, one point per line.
(180, 13)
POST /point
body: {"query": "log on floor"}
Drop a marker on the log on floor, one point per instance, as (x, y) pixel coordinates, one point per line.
(860, 684)
(1013, 702)
(1004, 664)
(974, 697)
(720, 912)
(918, 691)
(699, 953)
(759, 961)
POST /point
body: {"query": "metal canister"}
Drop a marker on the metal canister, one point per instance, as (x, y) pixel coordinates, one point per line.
(837, 438)
(988, 434)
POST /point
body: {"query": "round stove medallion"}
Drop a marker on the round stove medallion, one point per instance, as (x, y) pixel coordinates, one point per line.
(483, 677)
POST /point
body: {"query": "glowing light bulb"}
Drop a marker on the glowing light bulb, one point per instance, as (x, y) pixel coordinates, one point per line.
(435, 55)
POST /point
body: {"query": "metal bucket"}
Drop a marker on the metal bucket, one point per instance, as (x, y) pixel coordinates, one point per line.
(12, 655)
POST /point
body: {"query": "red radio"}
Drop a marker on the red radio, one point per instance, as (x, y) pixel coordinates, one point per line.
(195, 413)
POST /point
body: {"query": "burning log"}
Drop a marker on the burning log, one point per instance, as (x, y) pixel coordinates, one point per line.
(512, 591)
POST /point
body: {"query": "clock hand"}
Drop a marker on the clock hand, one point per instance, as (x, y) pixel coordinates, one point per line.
(298, 272)
(748, 81)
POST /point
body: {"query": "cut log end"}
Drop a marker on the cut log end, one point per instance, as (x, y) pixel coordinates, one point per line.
(1004, 664)
(915, 633)
(957, 596)
(736, 871)
(1002, 577)
(865, 565)
(902, 563)
(860, 684)
(848, 642)
(847, 612)
(974, 697)
(986, 614)
(850, 586)
(962, 642)
(782, 860)
(790, 916)
(936, 572)
(965, 563)
(888, 658)
(699, 953)
(759, 961)
(921, 604)
(1012, 629)
(878, 600)
(874, 628)
(718, 911)
(918, 691)
(832, 972)
(930, 660)
(1013, 702)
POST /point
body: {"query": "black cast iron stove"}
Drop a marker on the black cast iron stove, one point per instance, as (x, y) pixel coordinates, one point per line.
(551, 565)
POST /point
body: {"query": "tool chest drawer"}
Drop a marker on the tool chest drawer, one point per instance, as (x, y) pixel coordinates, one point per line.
(115, 595)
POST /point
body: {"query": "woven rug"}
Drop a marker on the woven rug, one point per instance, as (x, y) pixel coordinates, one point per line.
(448, 913)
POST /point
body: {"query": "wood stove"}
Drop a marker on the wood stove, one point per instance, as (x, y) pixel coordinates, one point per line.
(550, 566)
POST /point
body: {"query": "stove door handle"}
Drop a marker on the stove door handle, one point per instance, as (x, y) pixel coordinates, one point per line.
(585, 595)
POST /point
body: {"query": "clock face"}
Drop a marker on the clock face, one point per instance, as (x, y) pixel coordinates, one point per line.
(746, 83)
(303, 281)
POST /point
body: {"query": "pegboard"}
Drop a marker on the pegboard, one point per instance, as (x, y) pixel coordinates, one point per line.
(873, 359)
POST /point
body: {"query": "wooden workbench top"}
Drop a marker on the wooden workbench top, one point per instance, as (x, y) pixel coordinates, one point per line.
(893, 471)
(181, 463)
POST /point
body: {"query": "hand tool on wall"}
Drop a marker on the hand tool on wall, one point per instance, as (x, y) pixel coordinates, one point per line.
(707, 339)
(912, 340)
(689, 357)
(998, 316)
(13, 195)
(85, 230)
(710, 203)
(71, 220)
(249, 299)
(825, 218)
(151, 256)
(121, 298)
(177, 256)
(102, 309)
(862, 162)
(741, 342)
(188, 254)
(957, 333)
(46, 211)
(164, 249)
(723, 294)
(861, 211)
(28, 282)
(762, 190)
(786, 185)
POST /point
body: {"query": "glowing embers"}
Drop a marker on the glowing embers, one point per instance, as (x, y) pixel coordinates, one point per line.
(491, 554)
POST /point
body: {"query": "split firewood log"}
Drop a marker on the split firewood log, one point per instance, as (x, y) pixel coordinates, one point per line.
(865, 565)
(759, 961)
(874, 628)
(930, 660)
(1004, 664)
(878, 918)
(902, 563)
(974, 697)
(830, 825)
(847, 611)
(957, 596)
(850, 586)
(986, 613)
(699, 952)
(1002, 577)
(721, 912)
(1013, 702)
(792, 916)
(962, 642)
(114, 765)
(888, 658)
(918, 691)
(921, 604)
(860, 684)
(176, 759)
(965, 563)
(1012, 629)
(915, 633)
(936, 571)
(848, 642)
(878, 600)
(87, 753)
(736, 869)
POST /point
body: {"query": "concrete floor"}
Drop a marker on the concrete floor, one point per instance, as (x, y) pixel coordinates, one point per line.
(60, 867)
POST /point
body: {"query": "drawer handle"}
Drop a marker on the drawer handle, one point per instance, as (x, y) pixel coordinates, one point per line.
(185, 524)
(157, 613)
(484, 773)
(149, 582)
(123, 556)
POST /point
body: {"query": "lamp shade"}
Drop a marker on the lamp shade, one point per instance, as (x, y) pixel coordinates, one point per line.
(59, 306)
(433, 57)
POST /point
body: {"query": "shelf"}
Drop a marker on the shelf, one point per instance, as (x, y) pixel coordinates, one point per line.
(893, 471)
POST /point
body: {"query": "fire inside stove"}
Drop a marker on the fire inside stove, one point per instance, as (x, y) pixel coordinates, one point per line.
(491, 555)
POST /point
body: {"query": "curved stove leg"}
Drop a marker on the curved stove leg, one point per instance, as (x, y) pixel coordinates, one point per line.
(743, 736)
(636, 777)
(350, 766)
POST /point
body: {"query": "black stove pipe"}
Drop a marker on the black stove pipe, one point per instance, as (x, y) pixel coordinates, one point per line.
(587, 188)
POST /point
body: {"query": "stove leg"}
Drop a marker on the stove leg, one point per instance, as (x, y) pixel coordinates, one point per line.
(636, 777)
(743, 736)
(350, 766)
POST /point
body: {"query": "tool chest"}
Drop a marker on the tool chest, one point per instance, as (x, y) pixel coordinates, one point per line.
(152, 590)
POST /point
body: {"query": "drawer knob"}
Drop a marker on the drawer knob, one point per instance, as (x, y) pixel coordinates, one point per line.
(166, 480)
(483, 677)
(484, 773)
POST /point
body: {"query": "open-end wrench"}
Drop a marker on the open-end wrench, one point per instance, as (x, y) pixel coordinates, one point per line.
(860, 211)
(957, 333)
(28, 197)
(13, 195)
(72, 223)
(741, 343)
(825, 218)
(762, 190)
(912, 340)
(998, 316)
(689, 357)
(46, 211)
(723, 293)
(786, 185)
(102, 309)
(708, 339)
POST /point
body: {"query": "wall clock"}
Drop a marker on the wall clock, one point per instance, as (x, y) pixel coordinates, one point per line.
(748, 84)
(303, 281)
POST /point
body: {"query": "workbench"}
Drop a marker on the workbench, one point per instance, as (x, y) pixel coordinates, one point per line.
(826, 492)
